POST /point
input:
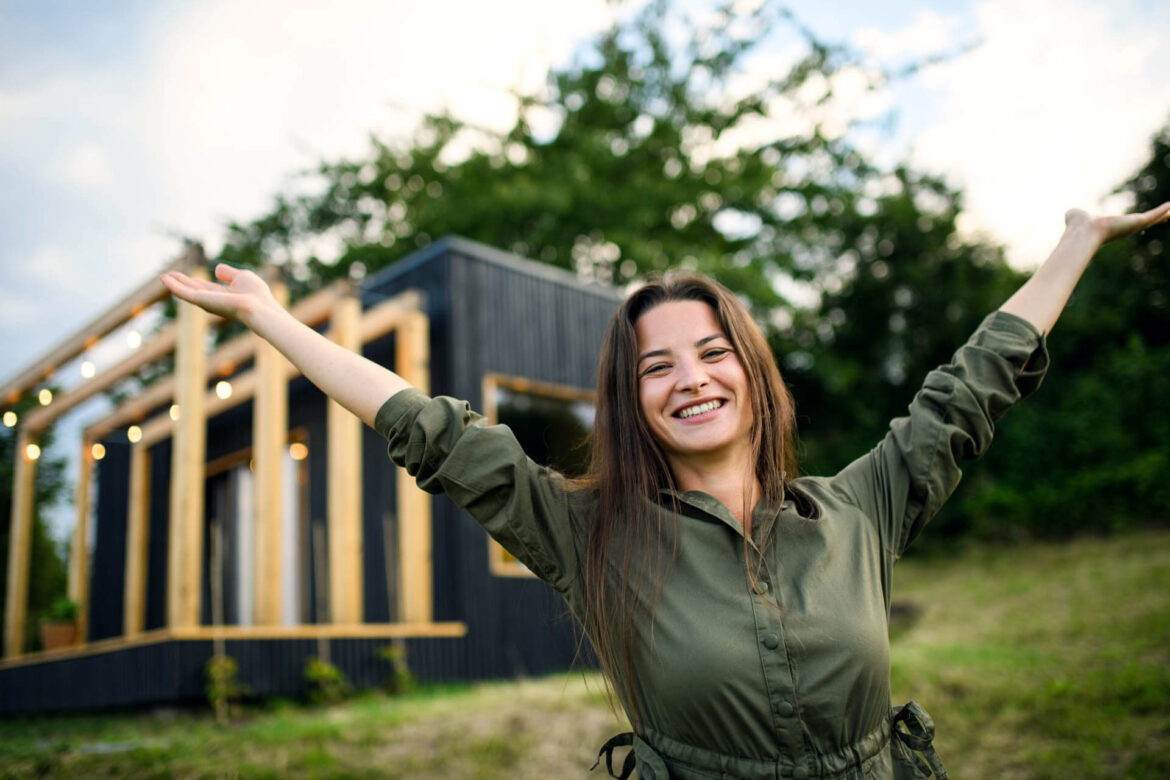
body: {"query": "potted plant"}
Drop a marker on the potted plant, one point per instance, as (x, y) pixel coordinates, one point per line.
(59, 626)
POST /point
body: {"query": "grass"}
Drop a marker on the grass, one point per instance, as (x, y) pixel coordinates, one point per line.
(1045, 661)
(1040, 661)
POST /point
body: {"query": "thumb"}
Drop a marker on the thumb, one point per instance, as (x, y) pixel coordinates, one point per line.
(225, 273)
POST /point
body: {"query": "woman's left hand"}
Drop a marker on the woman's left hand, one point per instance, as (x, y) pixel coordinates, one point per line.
(1106, 229)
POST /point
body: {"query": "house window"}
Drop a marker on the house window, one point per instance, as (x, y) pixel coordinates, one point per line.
(552, 423)
(230, 530)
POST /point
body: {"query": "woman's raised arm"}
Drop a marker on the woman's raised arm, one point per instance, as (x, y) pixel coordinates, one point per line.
(1041, 299)
(358, 384)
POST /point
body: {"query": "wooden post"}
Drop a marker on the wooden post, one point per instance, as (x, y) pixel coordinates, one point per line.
(185, 542)
(24, 487)
(269, 438)
(345, 483)
(412, 361)
(79, 546)
(137, 532)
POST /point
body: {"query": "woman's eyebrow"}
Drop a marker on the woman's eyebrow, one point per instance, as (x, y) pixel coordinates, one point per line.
(699, 343)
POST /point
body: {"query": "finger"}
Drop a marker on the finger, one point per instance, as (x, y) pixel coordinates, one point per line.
(1163, 212)
(225, 273)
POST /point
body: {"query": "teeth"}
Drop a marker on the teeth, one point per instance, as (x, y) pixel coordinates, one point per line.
(691, 411)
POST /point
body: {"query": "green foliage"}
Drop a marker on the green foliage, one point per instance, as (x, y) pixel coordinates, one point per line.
(627, 164)
(46, 572)
(401, 679)
(644, 154)
(327, 684)
(63, 610)
(224, 689)
(1091, 451)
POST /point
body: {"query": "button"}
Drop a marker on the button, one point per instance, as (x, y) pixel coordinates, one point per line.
(800, 773)
(763, 586)
(771, 641)
(785, 709)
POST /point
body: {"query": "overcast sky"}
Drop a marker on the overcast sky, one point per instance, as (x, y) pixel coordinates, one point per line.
(127, 124)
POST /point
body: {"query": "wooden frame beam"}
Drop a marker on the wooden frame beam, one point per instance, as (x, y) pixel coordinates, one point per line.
(137, 534)
(130, 306)
(416, 577)
(185, 542)
(24, 486)
(157, 347)
(453, 629)
(78, 587)
(311, 310)
(344, 483)
(269, 434)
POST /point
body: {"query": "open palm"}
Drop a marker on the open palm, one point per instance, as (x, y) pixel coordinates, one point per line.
(1111, 228)
(241, 296)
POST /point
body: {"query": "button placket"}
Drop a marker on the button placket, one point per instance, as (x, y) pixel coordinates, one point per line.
(778, 676)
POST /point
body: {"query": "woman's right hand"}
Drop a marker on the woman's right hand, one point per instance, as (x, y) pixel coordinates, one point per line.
(241, 297)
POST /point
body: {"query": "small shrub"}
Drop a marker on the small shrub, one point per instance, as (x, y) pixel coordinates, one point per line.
(63, 610)
(327, 685)
(223, 686)
(401, 679)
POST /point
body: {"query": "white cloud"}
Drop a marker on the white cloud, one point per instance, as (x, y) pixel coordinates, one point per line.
(1053, 110)
(929, 33)
(220, 105)
(86, 166)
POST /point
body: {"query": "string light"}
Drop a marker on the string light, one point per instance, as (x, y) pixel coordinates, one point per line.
(98, 450)
(32, 452)
(45, 396)
(134, 434)
(174, 412)
(223, 389)
(88, 369)
(298, 451)
(9, 419)
(133, 339)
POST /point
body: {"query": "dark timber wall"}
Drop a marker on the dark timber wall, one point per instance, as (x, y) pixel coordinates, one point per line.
(493, 312)
(489, 312)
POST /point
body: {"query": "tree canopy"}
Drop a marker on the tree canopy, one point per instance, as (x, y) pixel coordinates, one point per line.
(655, 149)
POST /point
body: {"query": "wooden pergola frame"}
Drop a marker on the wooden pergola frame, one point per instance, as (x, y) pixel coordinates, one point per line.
(266, 382)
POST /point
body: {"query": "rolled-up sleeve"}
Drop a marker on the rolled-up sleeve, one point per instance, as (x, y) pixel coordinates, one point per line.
(526, 507)
(904, 481)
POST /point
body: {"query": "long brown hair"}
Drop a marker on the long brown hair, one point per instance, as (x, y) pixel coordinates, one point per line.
(629, 467)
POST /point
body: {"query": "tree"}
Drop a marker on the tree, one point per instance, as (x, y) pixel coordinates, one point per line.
(641, 156)
(649, 152)
(1094, 453)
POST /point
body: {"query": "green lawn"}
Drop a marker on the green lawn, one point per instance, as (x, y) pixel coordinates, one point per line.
(1041, 661)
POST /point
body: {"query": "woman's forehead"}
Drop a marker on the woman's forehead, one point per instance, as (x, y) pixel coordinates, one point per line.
(676, 324)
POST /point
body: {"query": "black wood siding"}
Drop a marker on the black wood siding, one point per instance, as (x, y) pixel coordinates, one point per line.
(492, 312)
(489, 312)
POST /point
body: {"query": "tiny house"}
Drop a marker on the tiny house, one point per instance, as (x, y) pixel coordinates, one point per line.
(230, 507)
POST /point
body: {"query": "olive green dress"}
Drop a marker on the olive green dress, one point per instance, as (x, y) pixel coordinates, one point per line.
(790, 678)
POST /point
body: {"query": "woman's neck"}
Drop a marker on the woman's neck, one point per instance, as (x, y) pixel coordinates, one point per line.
(733, 484)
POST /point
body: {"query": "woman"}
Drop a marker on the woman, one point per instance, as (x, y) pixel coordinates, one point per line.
(739, 612)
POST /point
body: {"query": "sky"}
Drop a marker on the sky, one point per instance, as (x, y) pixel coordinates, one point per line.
(127, 125)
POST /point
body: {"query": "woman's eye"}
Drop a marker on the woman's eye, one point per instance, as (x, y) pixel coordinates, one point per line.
(715, 354)
(657, 368)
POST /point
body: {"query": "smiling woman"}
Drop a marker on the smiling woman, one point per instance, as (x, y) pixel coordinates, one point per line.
(740, 612)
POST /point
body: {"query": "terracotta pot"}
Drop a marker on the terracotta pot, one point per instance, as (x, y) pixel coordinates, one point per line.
(56, 634)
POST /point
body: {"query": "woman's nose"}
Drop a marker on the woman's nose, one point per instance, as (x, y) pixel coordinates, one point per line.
(692, 376)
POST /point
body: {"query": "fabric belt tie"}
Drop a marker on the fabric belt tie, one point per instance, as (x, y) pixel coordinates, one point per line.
(914, 728)
(911, 729)
(621, 740)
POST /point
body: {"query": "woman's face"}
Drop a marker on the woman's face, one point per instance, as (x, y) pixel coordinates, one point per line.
(692, 389)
